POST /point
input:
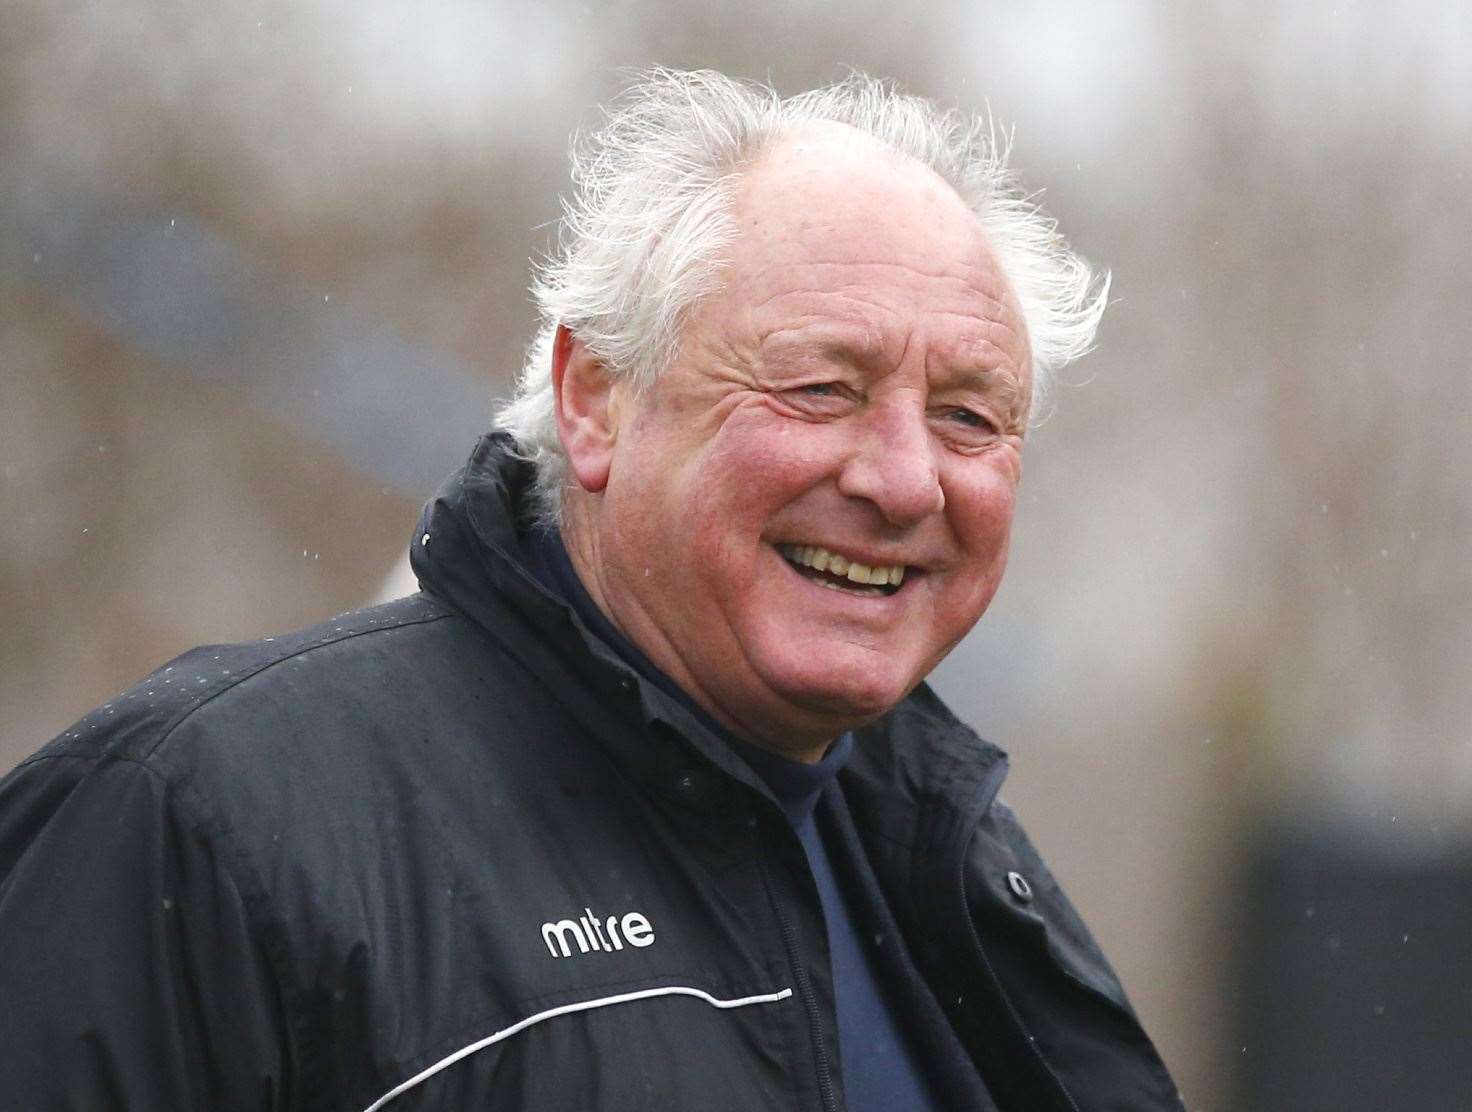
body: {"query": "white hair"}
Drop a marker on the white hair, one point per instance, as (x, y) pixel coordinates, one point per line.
(641, 238)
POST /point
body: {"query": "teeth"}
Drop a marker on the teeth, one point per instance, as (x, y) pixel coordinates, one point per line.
(820, 559)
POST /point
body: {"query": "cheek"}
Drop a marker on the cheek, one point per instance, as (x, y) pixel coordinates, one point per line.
(760, 463)
(981, 515)
(745, 480)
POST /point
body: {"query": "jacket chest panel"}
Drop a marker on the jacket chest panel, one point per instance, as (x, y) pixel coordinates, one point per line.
(574, 927)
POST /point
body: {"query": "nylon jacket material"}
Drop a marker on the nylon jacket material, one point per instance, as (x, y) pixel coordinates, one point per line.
(453, 853)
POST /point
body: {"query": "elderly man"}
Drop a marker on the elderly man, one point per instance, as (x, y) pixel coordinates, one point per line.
(642, 802)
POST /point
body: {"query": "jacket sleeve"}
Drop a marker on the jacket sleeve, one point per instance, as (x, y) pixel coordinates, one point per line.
(130, 977)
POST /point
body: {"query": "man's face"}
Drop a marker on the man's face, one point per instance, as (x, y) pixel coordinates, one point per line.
(857, 394)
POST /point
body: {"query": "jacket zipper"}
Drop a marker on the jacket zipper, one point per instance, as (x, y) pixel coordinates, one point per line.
(809, 1001)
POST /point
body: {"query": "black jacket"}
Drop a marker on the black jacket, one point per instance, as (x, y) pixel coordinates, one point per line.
(360, 867)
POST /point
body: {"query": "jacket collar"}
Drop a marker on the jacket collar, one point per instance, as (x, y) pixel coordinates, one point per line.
(470, 551)
(918, 772)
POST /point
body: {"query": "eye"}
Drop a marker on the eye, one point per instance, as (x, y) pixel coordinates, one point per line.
(820, 400)
(971, 419)
(964, 428)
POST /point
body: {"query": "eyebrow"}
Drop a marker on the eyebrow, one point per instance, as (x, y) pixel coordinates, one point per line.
(999, 380)
(849, 342)
(1006, 386)
(1001, 385)
(981, 365)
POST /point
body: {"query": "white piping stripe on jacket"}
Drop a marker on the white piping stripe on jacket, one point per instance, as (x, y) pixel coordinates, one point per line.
(580, 1006)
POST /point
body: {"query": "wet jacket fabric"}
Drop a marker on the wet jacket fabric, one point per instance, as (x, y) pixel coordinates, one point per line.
(453, 853)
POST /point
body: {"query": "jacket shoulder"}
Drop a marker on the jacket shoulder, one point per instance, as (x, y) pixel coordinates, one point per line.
(213, 684)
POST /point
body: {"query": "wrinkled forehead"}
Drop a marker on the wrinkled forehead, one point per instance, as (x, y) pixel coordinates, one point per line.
(831, 221)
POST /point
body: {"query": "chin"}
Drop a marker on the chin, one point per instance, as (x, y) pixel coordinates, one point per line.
(852, 695)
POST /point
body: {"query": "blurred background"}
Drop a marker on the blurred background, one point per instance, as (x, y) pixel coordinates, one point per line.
(263, 272)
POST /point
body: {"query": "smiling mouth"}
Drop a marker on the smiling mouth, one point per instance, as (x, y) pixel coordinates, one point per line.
(838, 573)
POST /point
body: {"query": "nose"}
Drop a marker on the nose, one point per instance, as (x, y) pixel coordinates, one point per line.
(893, 464)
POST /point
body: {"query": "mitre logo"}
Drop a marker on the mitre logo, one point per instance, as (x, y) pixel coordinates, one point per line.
(588, 932)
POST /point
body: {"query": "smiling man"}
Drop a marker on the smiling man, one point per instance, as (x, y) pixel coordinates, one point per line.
(641, 802)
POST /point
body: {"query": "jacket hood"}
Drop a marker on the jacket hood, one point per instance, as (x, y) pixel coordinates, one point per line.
(467, 548)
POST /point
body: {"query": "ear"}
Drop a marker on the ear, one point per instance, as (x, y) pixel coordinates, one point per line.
(586, 410)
